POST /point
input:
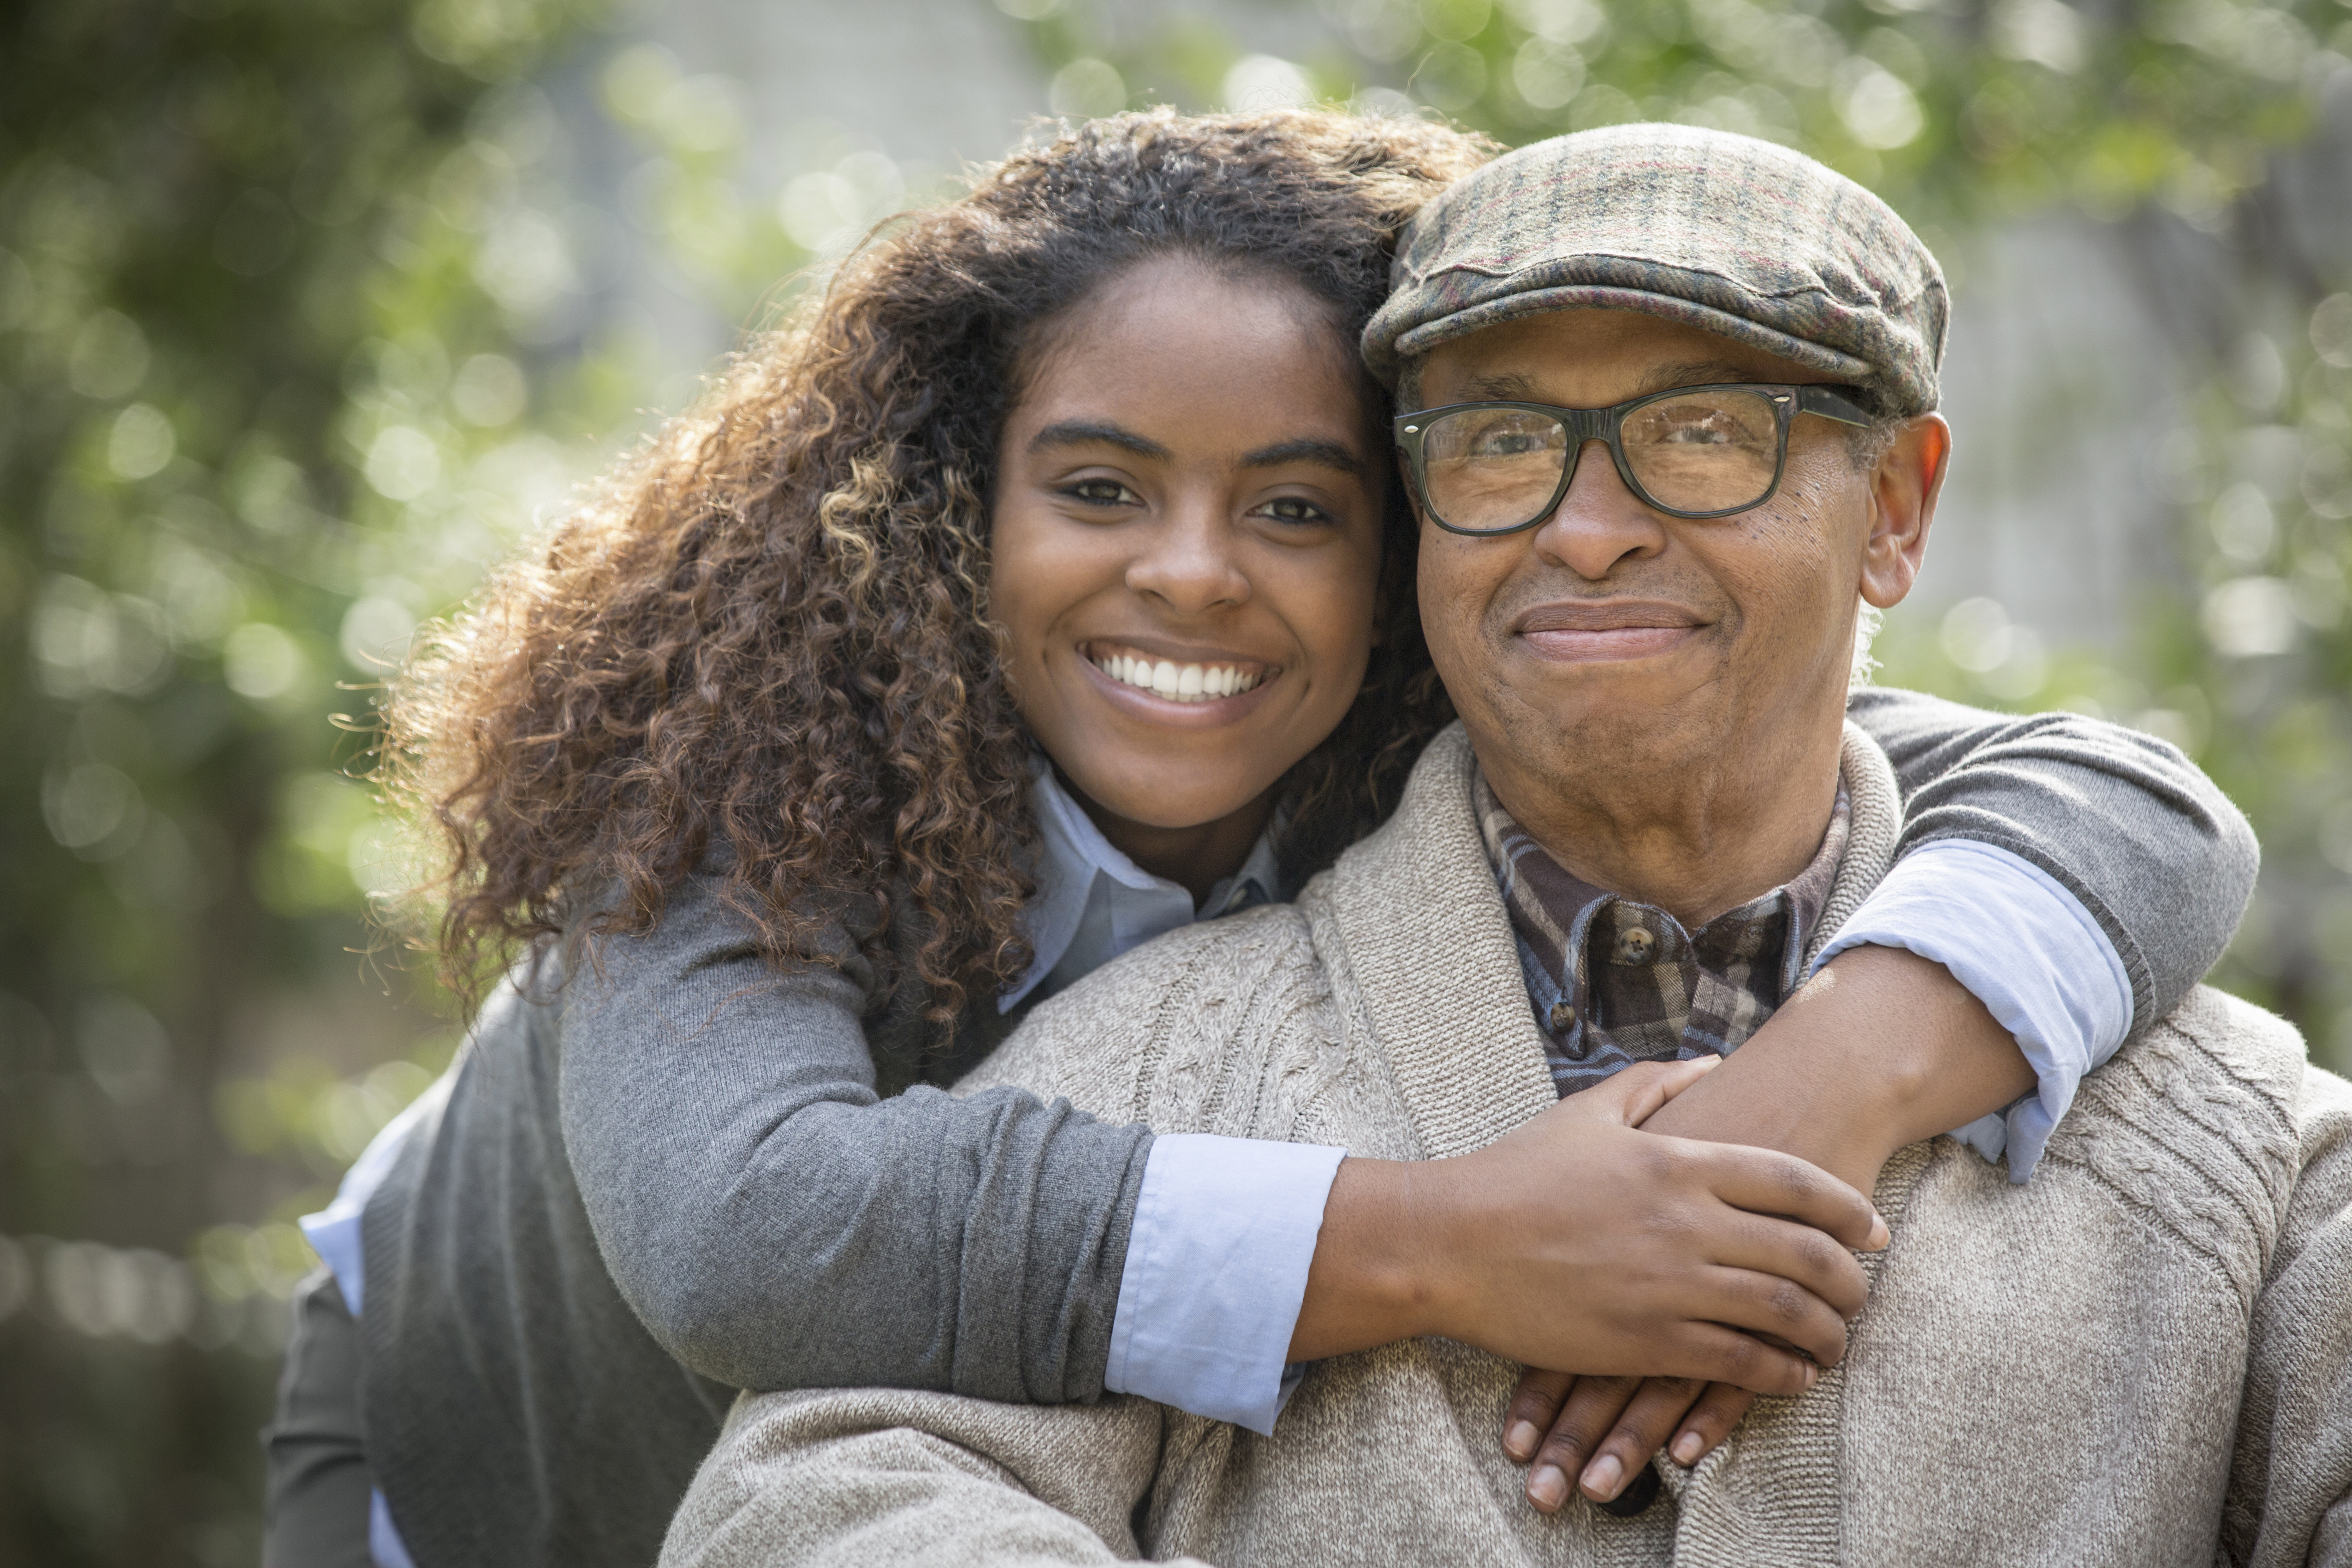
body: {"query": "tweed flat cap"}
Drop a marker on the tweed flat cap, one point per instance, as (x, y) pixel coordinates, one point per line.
(1741, 237)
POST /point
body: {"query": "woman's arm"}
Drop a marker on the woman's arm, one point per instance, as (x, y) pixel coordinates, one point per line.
(2060, 884)
(777, 1224)
(2153, 850)
(2018, 979)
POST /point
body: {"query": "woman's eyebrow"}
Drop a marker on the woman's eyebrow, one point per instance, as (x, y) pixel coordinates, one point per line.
(1324, 454)
(1094, 433)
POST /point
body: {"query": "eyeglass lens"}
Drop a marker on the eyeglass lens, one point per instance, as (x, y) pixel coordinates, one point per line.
(1492, 469)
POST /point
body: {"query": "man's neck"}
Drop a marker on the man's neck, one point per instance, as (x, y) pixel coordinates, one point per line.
(1692, 835)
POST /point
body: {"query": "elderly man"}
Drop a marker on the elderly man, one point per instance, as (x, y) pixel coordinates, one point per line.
(1661, 468)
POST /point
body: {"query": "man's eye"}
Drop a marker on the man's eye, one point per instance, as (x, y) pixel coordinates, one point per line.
(1700, 433)
(1507, 443)
(1291, 508)
(1101, 492)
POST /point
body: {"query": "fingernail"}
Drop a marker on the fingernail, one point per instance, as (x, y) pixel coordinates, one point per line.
(1812, 1372)
(1686, 1449)
(1521, 1440)
(1879, 1234)
(1548, 1488)
(1600, 1475)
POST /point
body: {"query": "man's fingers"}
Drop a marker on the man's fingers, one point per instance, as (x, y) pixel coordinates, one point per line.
(1533, 1409)
(1640, 1432)
(1710, 1421)
(1592, 1407)
(1764, 1181)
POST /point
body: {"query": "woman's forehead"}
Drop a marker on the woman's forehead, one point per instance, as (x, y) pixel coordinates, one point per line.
(1175, 357)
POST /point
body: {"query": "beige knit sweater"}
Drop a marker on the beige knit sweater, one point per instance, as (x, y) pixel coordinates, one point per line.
(2144, 1357)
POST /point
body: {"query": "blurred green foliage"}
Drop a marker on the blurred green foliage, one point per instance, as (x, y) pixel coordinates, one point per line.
(275, 343)
(305, 314)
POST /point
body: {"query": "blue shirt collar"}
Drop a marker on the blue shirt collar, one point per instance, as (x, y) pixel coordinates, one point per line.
(1071, 918)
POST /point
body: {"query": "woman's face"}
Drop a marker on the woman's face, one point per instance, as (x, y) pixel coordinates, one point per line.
(1186, 542)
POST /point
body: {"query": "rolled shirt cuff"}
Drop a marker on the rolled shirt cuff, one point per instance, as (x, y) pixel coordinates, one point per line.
(383, 1540)
(334, 1232)
(1216, 1270)
(2029, 951)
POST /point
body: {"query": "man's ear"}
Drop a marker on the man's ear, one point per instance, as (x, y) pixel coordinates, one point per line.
(1903, 491)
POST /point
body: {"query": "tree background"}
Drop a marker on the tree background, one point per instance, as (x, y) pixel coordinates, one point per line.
(305, 317)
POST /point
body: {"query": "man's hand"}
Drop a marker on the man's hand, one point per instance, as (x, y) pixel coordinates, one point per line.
(1824, 1078)
(1602, 1430)
(1578, 1241)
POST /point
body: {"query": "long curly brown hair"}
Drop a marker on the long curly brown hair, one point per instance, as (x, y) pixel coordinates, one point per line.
(762, 647)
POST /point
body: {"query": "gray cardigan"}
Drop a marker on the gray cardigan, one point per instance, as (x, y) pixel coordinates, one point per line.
(717, 1136)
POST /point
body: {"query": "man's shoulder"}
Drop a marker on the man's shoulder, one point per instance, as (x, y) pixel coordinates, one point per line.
(1199, 994)
(2234, 1070)
(2207, 1104)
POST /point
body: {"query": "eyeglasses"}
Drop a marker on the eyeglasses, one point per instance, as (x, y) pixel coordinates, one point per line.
(1693, 452)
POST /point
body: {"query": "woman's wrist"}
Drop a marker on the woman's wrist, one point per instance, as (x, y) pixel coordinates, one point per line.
(1378, 1273)
(1881, 1049)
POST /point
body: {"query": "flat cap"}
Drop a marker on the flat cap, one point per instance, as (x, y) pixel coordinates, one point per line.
(1743, 238)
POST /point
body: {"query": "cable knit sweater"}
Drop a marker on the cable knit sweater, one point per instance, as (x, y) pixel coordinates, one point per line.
(2143, 1358)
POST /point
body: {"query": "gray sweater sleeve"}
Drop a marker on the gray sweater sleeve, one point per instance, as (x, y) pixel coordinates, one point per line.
(778, 1225)
(2150, 845)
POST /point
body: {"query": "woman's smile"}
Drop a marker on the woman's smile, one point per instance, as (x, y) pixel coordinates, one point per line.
(1187, 679)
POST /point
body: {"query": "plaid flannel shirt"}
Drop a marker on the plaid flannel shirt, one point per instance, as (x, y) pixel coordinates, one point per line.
(1615, 982)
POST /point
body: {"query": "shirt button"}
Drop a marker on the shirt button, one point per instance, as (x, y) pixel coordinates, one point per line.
(1563, 1017)
(1634, 945)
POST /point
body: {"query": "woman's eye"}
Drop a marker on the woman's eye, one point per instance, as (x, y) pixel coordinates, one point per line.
(1291, 508)
(1101, 492)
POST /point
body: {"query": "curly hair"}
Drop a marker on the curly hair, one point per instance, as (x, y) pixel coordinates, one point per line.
(762, 645)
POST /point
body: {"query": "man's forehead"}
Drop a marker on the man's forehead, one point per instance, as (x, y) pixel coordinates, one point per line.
(1523, 358)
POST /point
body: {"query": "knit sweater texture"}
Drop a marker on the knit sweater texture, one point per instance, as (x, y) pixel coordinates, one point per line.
(2144, 1357)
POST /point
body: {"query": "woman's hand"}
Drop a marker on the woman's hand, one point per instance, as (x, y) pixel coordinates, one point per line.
(1824, 1079)
(1579, 1241)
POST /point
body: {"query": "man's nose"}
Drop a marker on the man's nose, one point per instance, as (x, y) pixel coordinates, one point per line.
(1599, 523)
(1187, 560)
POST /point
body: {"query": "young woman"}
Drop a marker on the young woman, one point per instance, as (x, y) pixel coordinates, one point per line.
(1041, 587)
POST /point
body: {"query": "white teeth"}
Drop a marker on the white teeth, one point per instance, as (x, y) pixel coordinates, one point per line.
(1175, 682)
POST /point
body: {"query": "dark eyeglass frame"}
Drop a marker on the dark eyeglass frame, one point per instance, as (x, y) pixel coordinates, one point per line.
(1607, 424)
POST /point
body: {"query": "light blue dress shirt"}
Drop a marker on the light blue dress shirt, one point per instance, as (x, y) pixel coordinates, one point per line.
(334, 1235)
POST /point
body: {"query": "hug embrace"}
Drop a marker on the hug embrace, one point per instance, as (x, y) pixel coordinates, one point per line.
(1205, 872)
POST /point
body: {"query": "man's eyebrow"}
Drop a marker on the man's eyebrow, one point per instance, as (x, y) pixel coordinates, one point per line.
(1324, 454)
(1095, 433)
(1506, 386)
(1509, 386)
(1694, 373)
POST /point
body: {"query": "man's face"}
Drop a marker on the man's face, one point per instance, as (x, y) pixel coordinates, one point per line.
(1619, 645)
